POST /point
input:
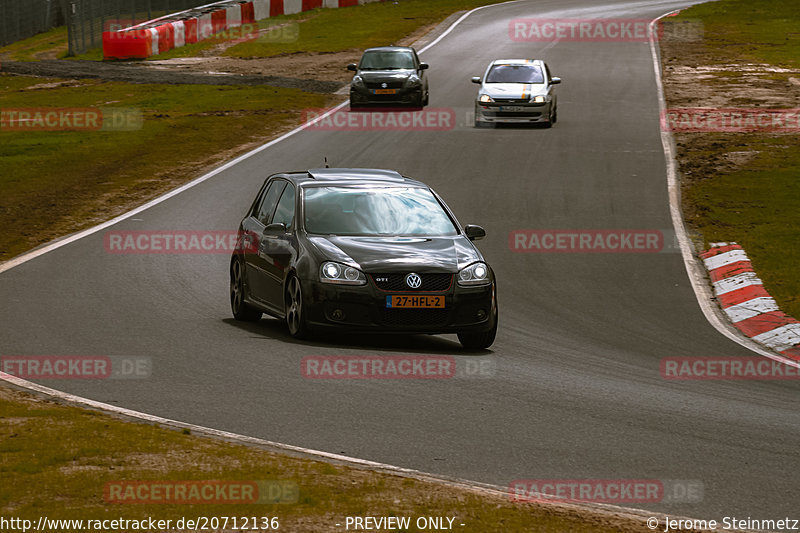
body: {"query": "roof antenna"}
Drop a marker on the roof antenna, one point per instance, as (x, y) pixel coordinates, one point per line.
(326, 163)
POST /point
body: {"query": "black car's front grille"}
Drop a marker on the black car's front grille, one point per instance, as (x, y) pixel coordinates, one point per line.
(380, 84)
(414, 317)
(397, 282)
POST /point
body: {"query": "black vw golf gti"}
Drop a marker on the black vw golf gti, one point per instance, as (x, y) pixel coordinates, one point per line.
(361, 250)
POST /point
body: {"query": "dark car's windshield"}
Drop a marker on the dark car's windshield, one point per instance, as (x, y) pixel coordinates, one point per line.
(515, 74)
(378, 211)
(402, 59)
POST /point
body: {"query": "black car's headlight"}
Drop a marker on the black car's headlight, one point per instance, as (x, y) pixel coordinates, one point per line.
(475, 274)
(413, 81)
(331, 272)
(357, 81)
(538, 99)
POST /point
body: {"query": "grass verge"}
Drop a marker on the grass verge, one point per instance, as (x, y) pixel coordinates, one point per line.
(54, 182)
(753, 203)
(56, 460)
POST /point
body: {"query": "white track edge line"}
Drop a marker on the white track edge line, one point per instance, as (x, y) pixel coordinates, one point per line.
(694, 269)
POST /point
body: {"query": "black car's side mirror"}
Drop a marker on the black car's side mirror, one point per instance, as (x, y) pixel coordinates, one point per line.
(555, 81)
(476, 79)
(424, 66)
(474, 233)
(352, 66)
(275, 229)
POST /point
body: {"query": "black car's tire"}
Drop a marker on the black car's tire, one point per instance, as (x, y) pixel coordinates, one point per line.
(478, 340)
(294, 309)
(240, 309)
(427, 98)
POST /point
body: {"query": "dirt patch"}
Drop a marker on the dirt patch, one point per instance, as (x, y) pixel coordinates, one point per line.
(143, 72)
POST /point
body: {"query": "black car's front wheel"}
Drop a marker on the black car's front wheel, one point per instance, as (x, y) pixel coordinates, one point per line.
(295, 311)
(478, 340)
(241, 310)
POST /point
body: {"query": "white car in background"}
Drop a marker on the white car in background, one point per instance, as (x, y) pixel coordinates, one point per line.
(518, 91)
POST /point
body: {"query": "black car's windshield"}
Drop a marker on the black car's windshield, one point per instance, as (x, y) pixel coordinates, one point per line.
(387, 60)
(379, 211)
(515, 74)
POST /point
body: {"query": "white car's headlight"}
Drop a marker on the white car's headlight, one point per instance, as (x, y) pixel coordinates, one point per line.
(538, 99)
(475, 274)
(331, 272)
(486, 98)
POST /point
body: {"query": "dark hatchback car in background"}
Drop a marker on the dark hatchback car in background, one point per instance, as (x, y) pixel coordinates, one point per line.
(361, 250)
(389, 75)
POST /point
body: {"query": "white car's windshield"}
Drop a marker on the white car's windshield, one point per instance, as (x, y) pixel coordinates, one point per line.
(515, 74)
(379, 211)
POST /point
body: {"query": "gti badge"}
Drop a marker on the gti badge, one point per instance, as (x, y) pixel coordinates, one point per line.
(414, 281)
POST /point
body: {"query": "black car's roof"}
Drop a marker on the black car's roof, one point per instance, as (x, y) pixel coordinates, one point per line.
(351, 176)
(389, 49)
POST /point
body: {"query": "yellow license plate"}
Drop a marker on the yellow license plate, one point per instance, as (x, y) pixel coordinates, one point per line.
(415, 302)
(385, 91)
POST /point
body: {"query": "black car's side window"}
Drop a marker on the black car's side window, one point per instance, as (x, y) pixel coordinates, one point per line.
(284, 213)
(267, 206)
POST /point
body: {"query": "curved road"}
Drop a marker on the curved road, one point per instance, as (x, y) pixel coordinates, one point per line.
(577, 391)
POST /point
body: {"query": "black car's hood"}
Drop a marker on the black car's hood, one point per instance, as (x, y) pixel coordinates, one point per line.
(374, 76)
(399, 254)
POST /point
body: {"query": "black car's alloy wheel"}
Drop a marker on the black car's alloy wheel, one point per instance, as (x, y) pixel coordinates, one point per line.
(295, 314)
(240, 309)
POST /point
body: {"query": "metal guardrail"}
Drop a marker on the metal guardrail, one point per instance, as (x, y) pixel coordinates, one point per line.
(88, 19)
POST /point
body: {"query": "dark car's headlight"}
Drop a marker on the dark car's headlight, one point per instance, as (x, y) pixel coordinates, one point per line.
(475, 274)
(331, 272)
(413, 81)
(357, 81)
(538, 99)
(485, 98)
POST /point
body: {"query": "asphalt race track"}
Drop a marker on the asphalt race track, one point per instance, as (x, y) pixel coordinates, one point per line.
(576, 391)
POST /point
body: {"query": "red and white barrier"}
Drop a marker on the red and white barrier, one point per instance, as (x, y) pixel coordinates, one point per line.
(746, 302)
(173, 31)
